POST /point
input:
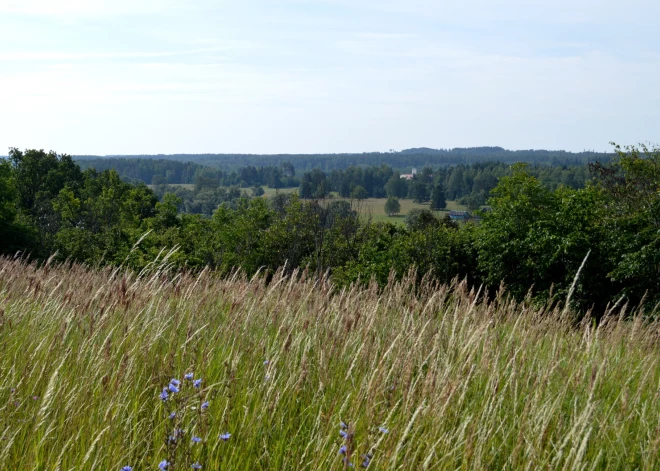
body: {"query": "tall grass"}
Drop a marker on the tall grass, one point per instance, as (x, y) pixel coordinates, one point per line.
(457, 382)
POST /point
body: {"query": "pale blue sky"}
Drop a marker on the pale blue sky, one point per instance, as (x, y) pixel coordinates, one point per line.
(270, 76)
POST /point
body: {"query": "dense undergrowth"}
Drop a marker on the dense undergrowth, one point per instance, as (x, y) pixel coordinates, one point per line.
(424, 377)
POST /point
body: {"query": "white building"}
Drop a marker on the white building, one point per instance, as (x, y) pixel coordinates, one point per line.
(409, 176)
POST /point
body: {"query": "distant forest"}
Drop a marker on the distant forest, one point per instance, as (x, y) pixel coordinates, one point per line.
(419, 157)
(468, 184)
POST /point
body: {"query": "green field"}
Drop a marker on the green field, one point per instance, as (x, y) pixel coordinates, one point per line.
(423, 377)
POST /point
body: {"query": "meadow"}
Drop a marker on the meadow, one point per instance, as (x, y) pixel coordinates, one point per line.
(100, 370)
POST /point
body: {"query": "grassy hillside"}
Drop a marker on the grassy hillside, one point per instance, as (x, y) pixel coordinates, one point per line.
(431, 377)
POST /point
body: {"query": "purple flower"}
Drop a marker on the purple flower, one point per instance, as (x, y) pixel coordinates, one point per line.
(367, 460)
(343, 434)
(173, 388)
(175, 382)
(172, 415)
(164, 395)
(127, 468)
(205, 405)
(225, 436)
(342, 450)
(383, 430)
(171, 439)
(197, 383)
(163, 464)
(188, 376)
(266, 362)
(196, 439)
(196, 466)
(343, 425)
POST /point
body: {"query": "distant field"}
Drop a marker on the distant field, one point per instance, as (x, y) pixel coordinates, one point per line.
(375, 207)
(371, 207)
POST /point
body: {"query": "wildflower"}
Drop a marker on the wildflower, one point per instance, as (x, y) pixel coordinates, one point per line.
(383, 430)
(163, 464)
(367, 460)
(172, 415)
(175, 382)
(34, 398)
(171, 439)
(267, 377)
(197, 383)
(164, 395)
(196, 466)
(127, 468)
(225, 436)
(343, 425)
(188, 376)
(266, 362)
(196, 439)
(342, 450)
(343, 434)
(173, 388)
(205, 405)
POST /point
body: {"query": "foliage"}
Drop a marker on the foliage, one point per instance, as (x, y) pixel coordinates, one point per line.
(392, 206)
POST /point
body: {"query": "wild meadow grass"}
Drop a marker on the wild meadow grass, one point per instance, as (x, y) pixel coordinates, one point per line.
(296, 374)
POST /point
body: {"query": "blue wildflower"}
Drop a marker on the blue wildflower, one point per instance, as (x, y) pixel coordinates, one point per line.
(176, 382)
(197, 383)
(171, 439)
(188, 376)
(163, 464)
(196, 439)
(173, 388)
(342, 450)
(266, 362)
(343, 434)
(205, 405)
(367, 460)
(383, 430)
(196, 466)
(225, 436)
(343, 425)
(127, 468)
(164, 395)
(172, 415)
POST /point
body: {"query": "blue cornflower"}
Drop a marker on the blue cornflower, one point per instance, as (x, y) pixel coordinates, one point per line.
(188, 376)
(196, 439)
(383, 430)
(163, 464)
(205, 405)
(342, 450)
(343, 434)
(173, 388)
(176, 382)
(164, 395)
(197, 383)
(172, 415)
(196, 466)
(343, 425)
(225, 436)
(127, 468)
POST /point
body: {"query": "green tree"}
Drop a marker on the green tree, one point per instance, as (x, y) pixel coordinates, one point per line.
(359, 193)
(392, 205)
(438, 197)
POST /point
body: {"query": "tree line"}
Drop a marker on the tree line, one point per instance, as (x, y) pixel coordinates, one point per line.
(467, 184)
(534, 240)
(419, 157)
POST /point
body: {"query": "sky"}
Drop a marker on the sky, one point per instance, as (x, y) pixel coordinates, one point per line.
(108, 77)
